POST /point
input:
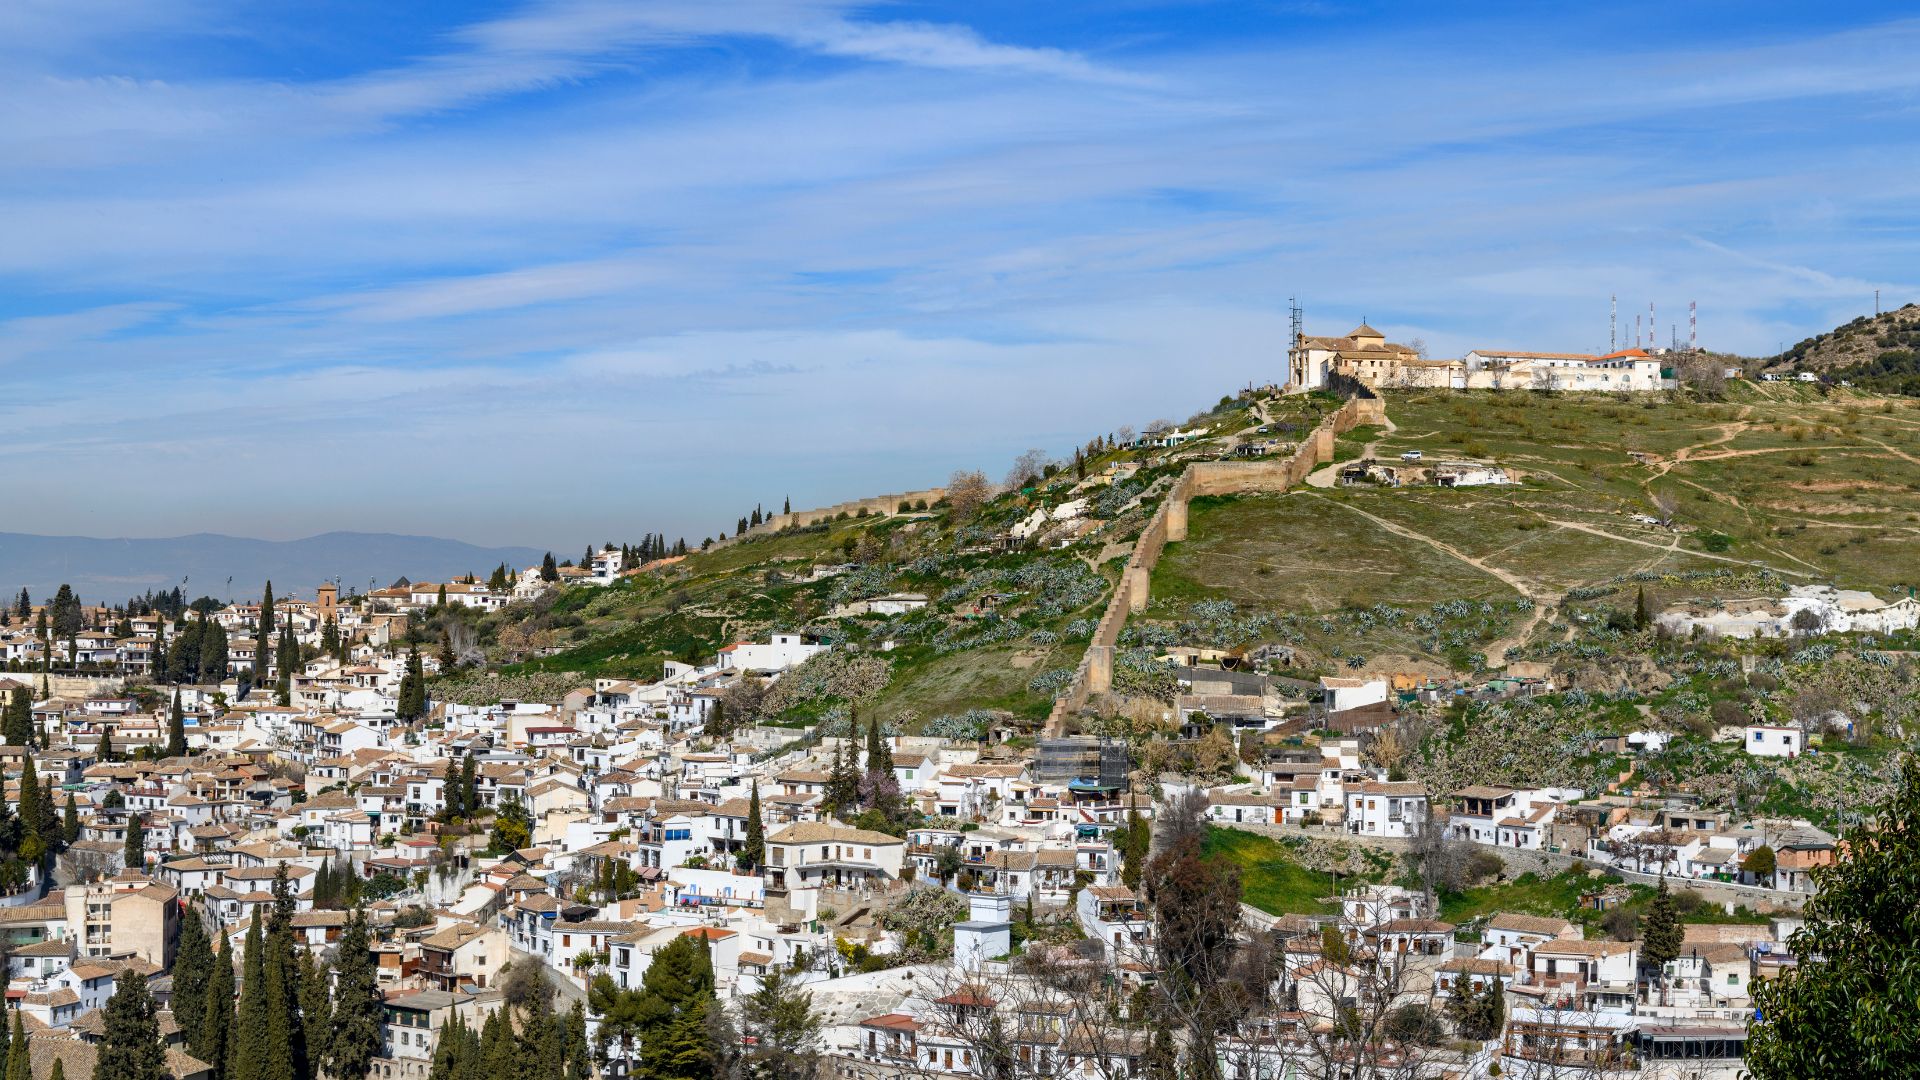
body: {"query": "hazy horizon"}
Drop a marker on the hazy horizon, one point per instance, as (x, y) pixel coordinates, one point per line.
(558, 272)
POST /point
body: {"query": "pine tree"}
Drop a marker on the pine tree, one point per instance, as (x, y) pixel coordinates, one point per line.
(358, 1007)
(23, 607)
(176, 729)
(130, 1048)
(754, 851)
(673, 1037)
(1661, 932)
(512, 827)
(192, 972)
(134, 857)
(779, 1025)
(209, 1041)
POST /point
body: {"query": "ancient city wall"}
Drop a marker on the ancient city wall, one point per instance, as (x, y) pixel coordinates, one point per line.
(1169, 523)
(875, 506)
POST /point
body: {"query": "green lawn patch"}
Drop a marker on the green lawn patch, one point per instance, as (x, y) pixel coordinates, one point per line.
(1270, 878)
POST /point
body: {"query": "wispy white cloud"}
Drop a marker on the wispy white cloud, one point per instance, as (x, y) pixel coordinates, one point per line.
(559, 232)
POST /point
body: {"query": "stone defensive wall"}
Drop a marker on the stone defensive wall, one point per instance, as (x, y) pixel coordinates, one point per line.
(1169, 523)
(875, 506)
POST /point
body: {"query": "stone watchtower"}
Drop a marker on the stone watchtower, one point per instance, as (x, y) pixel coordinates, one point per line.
(329, 598)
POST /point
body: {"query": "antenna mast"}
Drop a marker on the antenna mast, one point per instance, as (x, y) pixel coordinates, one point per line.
(1613, 323)
(1295, 373)
(1693, 326)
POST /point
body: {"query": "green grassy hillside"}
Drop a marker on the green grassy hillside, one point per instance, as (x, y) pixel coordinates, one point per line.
(1813, 485)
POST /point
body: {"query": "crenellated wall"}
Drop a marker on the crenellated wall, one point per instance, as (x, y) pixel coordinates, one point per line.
(1169, 523)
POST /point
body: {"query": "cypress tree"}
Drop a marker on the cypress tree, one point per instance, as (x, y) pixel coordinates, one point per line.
(548, 571)
(267, 618)
(134, 856)
(209, 1041)
(130, 1049)
(456, 1055)
(316, 1012)
(105, 751)
(579, 1054)
(192, 972)
(213, 651)
(1640, 615)
(246, 1042)
(754, 851)
(70, 822)
(176, 729)
(496, 1046)
(19, 1053)
(358, 1007)
(17, 727)
(6, 1044)
(879, 751)
(33, 844)
(59, 1070)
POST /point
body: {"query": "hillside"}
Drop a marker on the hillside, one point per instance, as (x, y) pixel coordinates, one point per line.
(1792, 483)
(1778, 483)
(1004, 627)
(1856, 345)
(111, 570)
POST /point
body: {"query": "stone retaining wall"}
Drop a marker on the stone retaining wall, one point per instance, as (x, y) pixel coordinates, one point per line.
(1552, 862)
(1094, 675)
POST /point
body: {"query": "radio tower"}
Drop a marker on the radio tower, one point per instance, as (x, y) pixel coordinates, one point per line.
(1613, 323)
(1693, 326)
(1636, 331)
(1293, 344)
(1653, 329)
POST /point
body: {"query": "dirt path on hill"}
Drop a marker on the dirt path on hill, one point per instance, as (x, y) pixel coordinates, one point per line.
(1578, 526)
(1497, 651)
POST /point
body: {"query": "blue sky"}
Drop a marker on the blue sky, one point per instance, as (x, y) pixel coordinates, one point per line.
(567, 270)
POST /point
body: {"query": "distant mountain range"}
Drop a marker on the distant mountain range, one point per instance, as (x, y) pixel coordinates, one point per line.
(110, 571)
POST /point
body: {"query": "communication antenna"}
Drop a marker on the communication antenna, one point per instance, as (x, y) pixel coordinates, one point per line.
(1636, 331)
(1693, 326)
(1293, 343)
(1613, 323)
(1653, 328)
